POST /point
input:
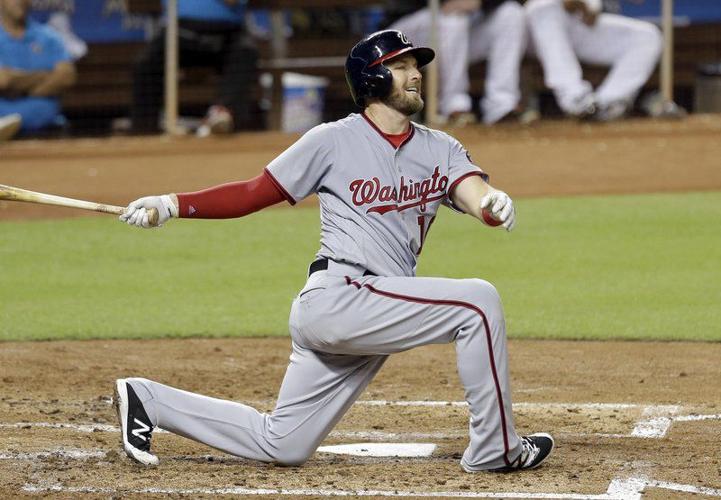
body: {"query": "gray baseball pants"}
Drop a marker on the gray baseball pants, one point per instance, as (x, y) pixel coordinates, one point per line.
(343, 327)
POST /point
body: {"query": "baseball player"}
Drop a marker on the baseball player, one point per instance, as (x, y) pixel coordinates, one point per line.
(564, 32)
(380, 180)
(472, 31)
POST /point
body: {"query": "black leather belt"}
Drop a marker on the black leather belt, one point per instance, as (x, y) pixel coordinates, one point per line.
(322, 265)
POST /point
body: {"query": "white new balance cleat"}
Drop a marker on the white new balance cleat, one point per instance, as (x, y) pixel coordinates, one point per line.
(135, 427)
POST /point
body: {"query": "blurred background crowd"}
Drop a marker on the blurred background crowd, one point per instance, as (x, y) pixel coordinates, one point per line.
(97, 67)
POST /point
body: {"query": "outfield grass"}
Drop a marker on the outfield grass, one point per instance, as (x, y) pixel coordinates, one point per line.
(622, 267)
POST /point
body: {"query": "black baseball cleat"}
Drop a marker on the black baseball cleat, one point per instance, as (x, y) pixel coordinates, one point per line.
(534, 450)
(135, 426)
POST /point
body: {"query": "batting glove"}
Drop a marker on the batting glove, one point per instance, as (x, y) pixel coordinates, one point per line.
(499, 206)
(136, 214)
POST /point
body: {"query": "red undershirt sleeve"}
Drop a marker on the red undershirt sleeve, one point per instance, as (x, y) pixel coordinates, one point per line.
(231, 200)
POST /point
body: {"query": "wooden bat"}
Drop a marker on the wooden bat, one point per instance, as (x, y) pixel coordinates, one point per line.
(18, 194)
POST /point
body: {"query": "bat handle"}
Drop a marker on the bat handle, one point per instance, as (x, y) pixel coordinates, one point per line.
(153, 217)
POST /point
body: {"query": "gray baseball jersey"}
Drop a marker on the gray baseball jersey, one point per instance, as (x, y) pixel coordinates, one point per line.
(377, 204)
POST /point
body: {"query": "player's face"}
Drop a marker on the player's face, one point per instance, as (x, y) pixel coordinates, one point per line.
(405, 95)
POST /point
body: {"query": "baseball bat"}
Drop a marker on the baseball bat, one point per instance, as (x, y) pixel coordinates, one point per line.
(12, 193)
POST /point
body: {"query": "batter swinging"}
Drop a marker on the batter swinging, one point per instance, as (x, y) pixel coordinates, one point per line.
(380, 180)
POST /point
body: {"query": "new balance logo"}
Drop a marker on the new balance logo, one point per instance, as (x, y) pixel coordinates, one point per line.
(143, 428)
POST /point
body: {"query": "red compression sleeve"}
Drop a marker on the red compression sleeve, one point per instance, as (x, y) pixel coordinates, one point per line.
(234, 199)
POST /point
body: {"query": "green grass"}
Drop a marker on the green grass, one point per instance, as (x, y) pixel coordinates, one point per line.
(623, 267)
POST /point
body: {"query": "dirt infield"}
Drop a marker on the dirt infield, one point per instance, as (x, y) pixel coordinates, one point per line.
(631, 419)
(619, 411)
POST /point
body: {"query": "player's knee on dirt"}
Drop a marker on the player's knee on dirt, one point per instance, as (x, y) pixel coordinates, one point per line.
(293, 454)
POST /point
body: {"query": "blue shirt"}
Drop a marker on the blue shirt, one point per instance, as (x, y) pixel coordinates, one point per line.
(39, 49)
(210, 10)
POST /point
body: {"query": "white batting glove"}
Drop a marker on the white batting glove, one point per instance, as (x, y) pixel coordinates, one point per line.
(500, 207)
(136, 214)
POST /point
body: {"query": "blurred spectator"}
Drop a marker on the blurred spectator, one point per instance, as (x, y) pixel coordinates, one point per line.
(472, 31)
(34, 69)
(211, 33)
(564, 32)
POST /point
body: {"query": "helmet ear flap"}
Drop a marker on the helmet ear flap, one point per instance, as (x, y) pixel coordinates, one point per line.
(379, 82)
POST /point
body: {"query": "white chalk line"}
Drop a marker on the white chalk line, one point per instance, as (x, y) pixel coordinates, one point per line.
(656, 421)
(619, 489)
(692, 418)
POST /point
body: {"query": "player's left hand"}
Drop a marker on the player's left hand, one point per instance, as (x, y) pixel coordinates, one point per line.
(499, 206)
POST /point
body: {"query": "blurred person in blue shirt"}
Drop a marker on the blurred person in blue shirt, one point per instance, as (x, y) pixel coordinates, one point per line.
(34, 69)
(211, 33)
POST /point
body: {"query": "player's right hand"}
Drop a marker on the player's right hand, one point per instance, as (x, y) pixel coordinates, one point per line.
(136, 214)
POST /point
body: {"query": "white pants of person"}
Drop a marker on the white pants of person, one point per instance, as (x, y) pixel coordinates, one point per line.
(464, 39)
(343, 327)
(630, 47)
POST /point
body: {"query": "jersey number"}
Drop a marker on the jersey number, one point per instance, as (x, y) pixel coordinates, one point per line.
(424, 230)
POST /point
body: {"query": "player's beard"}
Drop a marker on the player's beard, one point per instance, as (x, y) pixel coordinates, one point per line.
(399, 100)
